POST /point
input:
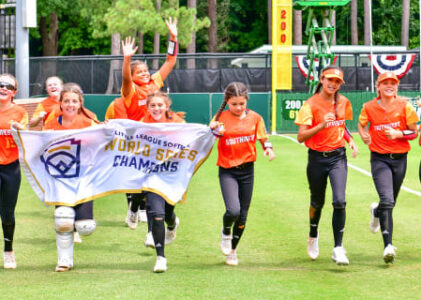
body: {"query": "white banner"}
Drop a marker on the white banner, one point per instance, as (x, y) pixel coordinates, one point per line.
(70, 167)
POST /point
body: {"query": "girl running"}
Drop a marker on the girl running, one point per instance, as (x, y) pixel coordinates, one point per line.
(79, 218)
(393, 122)
(10, 177)
(321, 122)
(137, 84)
(238, 128)
(158, 210)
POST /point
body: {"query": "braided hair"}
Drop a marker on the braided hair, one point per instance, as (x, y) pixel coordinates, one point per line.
(319, 86)
(234, 89)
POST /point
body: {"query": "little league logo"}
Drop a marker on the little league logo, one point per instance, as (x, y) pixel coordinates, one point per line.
(62, 159)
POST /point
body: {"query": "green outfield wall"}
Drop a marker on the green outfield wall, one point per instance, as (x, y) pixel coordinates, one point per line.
(201, 107)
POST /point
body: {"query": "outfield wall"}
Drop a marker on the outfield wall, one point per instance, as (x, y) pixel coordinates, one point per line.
(201, 107)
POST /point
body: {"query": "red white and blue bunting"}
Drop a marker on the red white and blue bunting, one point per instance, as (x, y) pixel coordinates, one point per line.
(303, 64)
(398, 63)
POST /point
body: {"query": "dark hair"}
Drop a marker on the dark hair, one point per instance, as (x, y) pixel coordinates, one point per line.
(319, 86)
(234, 89)
(72, 87)
(167, 100)
(136, 63)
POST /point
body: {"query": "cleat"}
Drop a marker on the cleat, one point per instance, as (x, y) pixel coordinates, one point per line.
(374, 222)
(225, 243)
(149, 242)
(76, 238)
(339, 256)
(232, 259)
(64, 265)
(170, 235)
(389, 254)
(160, 265)
(313, 247)
(131, 219)
(9, 260)
(142, 216)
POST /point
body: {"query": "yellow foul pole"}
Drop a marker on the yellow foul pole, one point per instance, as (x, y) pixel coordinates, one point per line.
(281, 50)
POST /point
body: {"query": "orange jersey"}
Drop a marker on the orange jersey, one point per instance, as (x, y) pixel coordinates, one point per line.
(312, 114)
(174, 118)
(135, 103)
(8, 149)
(80, 122)
(397, 115)
(116, 111)
(238, 144)
(48, 105)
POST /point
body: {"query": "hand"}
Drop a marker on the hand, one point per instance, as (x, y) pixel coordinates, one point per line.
(172, 27)
(328, 118)
(366, 137)
(269, 152)
(392, 134)
(128, 48)
(218, 128)
(16, 125)
(354, 148)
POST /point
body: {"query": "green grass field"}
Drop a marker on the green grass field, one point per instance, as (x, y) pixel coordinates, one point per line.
(113, 263)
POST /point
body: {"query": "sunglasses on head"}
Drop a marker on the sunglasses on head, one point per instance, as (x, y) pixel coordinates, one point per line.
(7, 85)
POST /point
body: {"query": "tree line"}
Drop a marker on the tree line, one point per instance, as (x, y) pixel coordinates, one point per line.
(81, 27)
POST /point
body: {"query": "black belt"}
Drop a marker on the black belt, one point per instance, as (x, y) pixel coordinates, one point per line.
(391, 155)
(243, 166)
(327, 153)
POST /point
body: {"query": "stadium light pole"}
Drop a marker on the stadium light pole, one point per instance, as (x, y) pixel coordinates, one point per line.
(26, 17)
(371, 46)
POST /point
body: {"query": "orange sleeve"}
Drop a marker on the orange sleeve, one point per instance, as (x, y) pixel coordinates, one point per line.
(110, 114)
(411, 115)
(304, 116)
(363, 117)
(128, 98)
(51, 116)
(348, 111)
(261, 130)
(157, 78)
(39, 109)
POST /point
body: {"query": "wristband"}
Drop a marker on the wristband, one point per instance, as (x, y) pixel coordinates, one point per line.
(409, 134)
(172, 48)
(267, 144)
(347, 135)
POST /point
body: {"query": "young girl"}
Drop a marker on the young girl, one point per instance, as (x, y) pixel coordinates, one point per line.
(53, 85)
(10, 177)
(137, 84)
(393, 121)
(79, 218)
(238, 129)
(158, 210)
(321, 122)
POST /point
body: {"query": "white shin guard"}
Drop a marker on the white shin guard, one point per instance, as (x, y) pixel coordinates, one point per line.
(64, 242)
(64, 225)
(85, 227)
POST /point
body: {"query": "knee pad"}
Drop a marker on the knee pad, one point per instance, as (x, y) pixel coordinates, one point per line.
(64, 219)
(85, 227)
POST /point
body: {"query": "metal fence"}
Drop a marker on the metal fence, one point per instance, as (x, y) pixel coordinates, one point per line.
(198, 73)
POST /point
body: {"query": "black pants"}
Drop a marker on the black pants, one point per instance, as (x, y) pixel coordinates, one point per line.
(388, 174)
(237, 189)
(319, 168)
(10, 179)
(159, 211)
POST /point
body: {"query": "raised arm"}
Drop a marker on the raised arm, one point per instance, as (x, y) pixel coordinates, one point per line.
(169, 64)
(129, 50)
